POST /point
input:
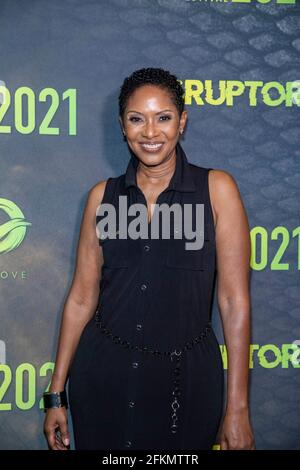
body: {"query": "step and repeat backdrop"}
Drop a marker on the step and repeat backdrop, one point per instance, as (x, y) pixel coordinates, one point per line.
(62, 64)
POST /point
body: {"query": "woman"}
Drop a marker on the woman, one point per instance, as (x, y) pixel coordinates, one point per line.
(145, 369)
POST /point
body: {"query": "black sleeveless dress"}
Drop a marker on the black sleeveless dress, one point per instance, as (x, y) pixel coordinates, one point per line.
(148, 372)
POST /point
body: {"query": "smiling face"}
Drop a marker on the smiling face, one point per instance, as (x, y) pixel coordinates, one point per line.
(152, 124)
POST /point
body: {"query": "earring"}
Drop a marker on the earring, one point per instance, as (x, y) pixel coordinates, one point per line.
(181, 131)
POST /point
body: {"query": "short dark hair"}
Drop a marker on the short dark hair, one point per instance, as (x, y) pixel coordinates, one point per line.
(152, 76)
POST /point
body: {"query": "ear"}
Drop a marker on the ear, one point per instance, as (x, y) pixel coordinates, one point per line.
(183, 119)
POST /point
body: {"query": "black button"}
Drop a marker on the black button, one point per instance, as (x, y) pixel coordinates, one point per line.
(146, 247)
(128, 444)
(131, 404)
(138, 327)
(135, 365)
(143, 287)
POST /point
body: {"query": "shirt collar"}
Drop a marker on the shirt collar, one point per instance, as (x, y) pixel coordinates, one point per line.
(182, 179)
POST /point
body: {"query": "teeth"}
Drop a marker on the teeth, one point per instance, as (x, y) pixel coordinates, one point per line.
(152, 146)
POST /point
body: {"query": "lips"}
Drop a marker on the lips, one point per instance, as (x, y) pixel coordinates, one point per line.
(151, 146)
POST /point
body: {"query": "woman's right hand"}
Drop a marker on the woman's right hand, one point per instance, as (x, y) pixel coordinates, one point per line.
(56, 428)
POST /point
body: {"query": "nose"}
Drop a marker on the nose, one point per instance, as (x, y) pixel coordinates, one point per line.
(149, 130)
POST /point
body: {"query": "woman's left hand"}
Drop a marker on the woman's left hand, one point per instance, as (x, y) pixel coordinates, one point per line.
(236, 432)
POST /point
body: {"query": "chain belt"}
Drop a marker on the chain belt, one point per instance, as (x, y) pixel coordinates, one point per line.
(175, 356)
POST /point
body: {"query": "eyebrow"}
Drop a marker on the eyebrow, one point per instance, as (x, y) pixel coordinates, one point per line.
(160, 112)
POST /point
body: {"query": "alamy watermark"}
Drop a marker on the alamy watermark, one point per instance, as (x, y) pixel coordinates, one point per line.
(138, 227)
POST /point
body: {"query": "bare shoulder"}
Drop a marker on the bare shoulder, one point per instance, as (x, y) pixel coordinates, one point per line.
(222, 181)
(97, 191)
(92, 202)
(96, 194)
(224, 192)
(222, 186)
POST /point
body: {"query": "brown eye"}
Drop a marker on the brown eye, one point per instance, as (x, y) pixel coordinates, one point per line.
(166, 117)
(134, 119)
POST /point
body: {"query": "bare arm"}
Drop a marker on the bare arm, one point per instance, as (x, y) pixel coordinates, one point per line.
(233, 262)
(84, 291)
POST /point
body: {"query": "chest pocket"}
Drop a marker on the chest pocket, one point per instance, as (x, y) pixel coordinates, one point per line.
(178, 257)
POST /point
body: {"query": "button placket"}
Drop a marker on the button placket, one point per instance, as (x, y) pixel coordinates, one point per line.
(137, 336)
(143, 286)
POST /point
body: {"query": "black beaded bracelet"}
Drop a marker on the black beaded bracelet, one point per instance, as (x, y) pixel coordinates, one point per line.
(55, 399)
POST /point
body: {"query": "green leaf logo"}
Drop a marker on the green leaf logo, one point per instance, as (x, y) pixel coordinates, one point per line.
(13, 232)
